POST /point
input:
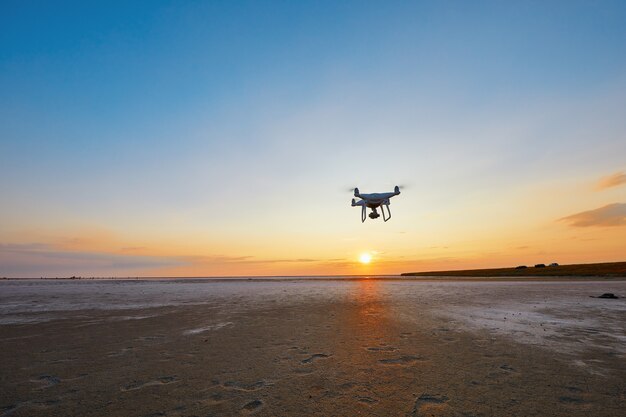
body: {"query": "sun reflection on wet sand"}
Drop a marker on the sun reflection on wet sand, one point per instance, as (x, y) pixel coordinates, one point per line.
(371, 318)
(365, 338)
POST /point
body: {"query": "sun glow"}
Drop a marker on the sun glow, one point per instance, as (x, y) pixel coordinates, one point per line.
(365, 258)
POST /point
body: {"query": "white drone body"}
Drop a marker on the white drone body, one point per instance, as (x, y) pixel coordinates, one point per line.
(373, 201)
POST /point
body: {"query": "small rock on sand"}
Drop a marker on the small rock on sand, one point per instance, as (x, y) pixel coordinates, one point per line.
(609, 295)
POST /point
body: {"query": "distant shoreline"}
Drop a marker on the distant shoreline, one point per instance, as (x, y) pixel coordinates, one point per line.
(598, 270)
(303, 279)
(577, 272)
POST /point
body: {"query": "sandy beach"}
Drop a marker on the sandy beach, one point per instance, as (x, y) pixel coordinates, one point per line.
(364, 347)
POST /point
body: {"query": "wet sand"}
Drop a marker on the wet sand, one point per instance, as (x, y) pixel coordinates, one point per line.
(323, 348)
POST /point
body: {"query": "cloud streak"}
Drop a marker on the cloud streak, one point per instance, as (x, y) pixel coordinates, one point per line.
(608, 216)
(38, 259)
(249, 260)
(47, 260)
(614, 180)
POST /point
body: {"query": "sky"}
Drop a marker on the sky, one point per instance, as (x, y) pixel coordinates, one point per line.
(222, 138)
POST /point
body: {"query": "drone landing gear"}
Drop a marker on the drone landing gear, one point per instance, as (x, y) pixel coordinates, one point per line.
(374, 214)
(382, 208)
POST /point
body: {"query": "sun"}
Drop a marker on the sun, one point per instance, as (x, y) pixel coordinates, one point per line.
(365, 258)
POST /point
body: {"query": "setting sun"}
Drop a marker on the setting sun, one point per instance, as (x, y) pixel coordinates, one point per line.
(365, 258)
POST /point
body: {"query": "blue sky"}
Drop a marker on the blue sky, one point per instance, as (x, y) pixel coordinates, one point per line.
(227, 124)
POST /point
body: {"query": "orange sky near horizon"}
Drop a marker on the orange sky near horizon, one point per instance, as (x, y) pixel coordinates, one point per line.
(529, 229)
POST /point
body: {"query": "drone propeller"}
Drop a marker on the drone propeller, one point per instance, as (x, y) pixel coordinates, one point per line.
(400, 186)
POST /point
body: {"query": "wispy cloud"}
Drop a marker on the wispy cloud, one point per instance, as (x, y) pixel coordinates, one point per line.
(213, 259)
(609, 215)
(133, 249)
(248, 260)
(39, 259)
(49, 260)
(614, 180)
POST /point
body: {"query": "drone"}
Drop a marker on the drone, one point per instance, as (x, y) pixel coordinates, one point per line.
(373, 201)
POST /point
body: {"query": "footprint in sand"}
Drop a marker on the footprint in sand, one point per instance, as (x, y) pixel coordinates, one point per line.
(428, 405)
(366, 400)
(63, 360)
(507, 368)
(252, 406)
(303, 372)
(347, 386)
(11, 408)
(572, 400)
(8, 409)
(47, 381)
(240, 386)
(121, 352)
(314, 357)
(381, 348)
(208, 328)
(164, 380)
(402, 360)
(215, 398)
(152, 339)
(304, 350)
